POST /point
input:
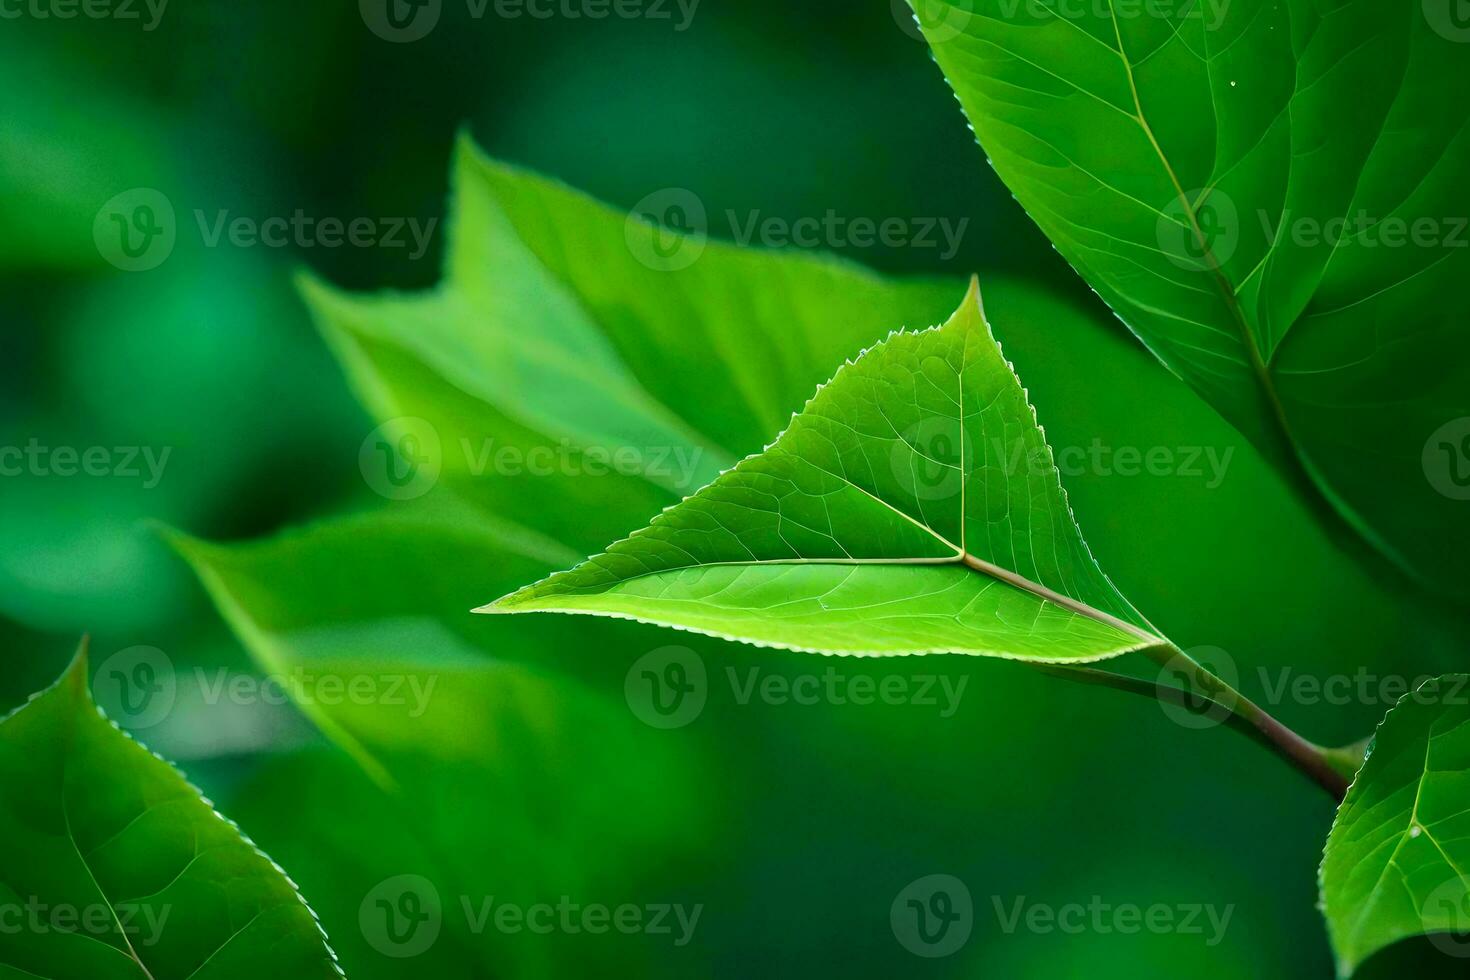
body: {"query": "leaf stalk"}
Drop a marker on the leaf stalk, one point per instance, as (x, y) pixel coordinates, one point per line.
(1332, 769)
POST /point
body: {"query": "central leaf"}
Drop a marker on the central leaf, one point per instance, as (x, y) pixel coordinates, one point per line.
(913, 506)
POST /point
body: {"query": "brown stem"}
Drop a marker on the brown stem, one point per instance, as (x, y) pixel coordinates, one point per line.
(1331, 769)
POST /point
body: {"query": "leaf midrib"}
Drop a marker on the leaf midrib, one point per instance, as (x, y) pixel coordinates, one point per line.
(961, 556)
(1260, 369)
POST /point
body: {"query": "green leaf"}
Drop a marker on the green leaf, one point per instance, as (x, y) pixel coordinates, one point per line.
(548, 332)
(912, 507)
(1195, 161)
(115, 867)
(494, 772)
(1396, 860)
(560, 330)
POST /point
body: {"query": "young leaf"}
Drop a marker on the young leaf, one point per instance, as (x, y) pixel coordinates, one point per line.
(560, 330)
(1397, 858)
(1270, 194)
(112, 866)
(911, 507)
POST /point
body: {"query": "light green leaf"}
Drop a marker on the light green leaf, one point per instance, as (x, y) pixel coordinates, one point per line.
(1196, 162)
(912, 507)
(559, 331)
(112, 866)
(1397, 858)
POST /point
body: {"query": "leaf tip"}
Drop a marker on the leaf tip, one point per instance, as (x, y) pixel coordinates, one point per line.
(971, 311)
(74, 681)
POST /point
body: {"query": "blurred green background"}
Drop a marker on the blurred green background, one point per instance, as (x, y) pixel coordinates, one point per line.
(810, 819)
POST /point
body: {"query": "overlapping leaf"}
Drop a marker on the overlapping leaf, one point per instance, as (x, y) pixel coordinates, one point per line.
(112, 866)
(912, 507)
(1271, 196)
(548, 333)
(1397, 862)
(558, 333)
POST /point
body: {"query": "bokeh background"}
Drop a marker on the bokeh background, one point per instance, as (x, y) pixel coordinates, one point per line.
(812, 818)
